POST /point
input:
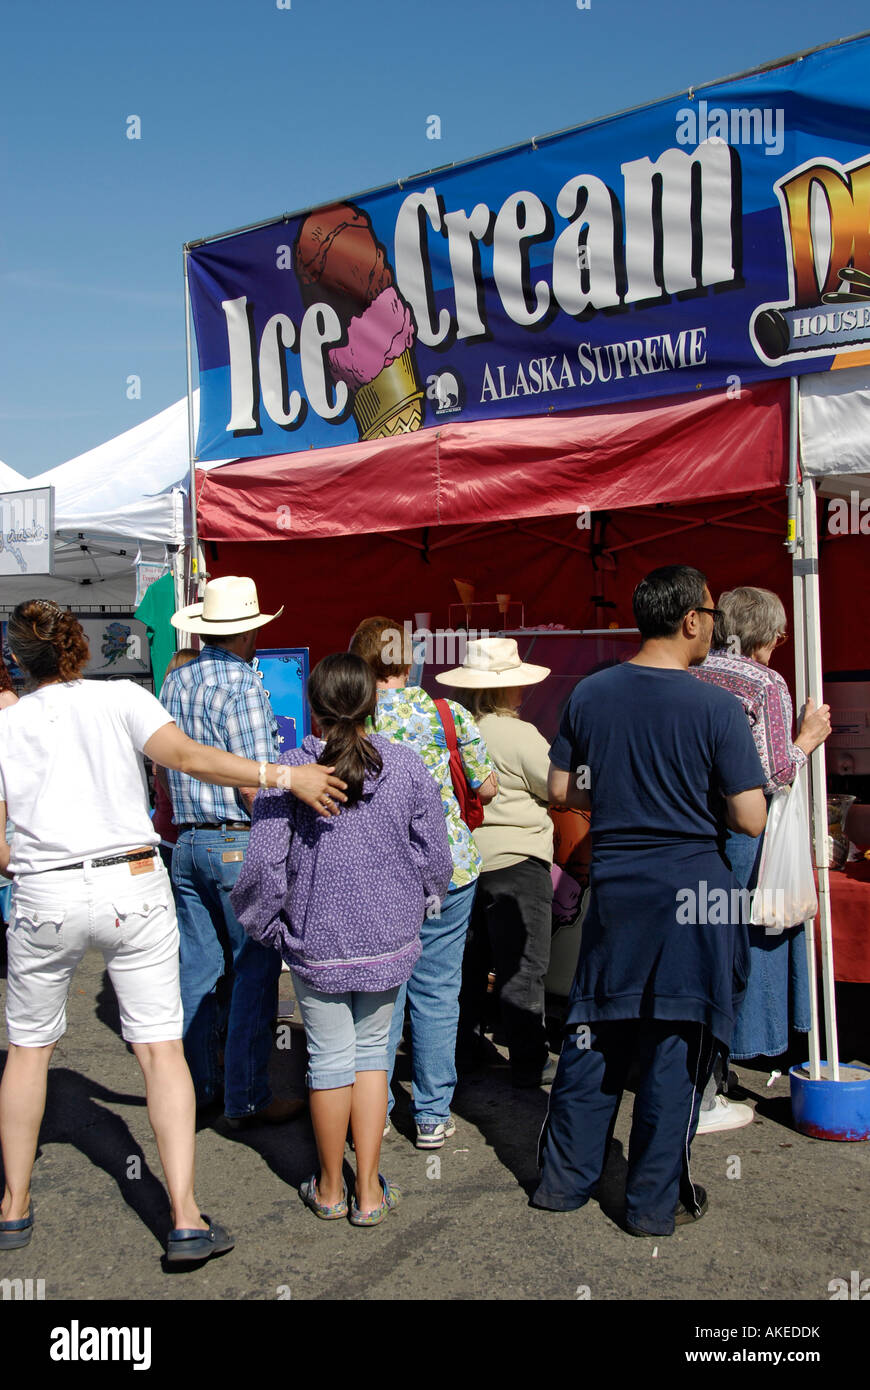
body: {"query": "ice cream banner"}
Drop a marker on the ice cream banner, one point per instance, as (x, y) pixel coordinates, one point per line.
(710, 239)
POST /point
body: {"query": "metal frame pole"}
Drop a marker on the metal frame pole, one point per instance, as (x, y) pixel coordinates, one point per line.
(795, 544)
(818, 780)
(195, 580)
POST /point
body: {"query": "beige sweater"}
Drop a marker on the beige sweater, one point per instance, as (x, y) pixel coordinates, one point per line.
(516, 823)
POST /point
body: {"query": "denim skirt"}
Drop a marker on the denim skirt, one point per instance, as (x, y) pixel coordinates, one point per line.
(777, 991)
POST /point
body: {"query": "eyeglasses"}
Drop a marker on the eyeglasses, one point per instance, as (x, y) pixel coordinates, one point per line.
(715, 612)
(781, 637)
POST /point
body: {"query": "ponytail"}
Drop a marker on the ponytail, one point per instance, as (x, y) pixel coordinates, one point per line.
(342, 694)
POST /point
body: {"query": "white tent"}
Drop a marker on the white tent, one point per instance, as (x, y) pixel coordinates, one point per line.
(123, 499)
(10, 481)
(835, 426)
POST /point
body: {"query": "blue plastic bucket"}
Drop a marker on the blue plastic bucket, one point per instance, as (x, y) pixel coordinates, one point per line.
(832, 1109)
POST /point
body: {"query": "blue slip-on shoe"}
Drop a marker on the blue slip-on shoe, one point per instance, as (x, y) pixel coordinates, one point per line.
(189, 1246)
(15, 1234)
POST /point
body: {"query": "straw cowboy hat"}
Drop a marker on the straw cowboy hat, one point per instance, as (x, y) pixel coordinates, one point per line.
(493, 663)
(229, 605)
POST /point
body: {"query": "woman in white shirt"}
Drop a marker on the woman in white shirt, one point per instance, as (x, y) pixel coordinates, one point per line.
(511, 923)
(86, 872)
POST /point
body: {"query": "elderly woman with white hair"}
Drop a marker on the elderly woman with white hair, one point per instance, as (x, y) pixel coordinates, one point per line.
(750, 626)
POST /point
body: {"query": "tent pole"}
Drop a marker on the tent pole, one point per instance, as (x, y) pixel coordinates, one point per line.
(817, 769)
(193, 550)
(795, 543)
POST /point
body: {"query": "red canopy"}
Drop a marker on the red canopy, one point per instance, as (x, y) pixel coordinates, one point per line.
(685, 448)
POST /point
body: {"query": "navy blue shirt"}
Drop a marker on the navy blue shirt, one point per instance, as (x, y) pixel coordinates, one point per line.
(657, 761)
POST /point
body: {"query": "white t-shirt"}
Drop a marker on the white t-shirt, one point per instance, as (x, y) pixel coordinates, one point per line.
(71, 772)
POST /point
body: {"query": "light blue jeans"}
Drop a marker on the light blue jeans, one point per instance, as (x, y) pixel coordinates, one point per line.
(345, 1033)
(433, 999)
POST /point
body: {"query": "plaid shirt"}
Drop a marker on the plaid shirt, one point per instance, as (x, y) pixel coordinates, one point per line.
(218, 700)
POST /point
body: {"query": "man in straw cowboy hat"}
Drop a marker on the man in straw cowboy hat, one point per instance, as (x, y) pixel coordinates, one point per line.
(228, 982)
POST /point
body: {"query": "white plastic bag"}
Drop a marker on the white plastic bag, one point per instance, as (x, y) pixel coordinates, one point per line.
(786, 892)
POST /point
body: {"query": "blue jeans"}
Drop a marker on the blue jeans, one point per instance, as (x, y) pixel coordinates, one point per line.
(229, 983)
(433, 998)
(345, 1033)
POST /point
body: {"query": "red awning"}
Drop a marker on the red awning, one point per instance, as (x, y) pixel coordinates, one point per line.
(684, 448)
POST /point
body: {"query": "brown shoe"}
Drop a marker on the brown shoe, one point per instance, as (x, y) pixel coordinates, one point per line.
(277, 1112)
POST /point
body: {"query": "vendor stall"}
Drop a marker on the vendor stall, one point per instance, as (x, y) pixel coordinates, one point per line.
(463, 366)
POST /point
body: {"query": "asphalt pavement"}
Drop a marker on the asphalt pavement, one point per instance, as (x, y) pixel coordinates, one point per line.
(788, 1214)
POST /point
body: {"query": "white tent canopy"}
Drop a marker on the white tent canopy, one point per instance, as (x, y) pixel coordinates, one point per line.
(835, 430)
(123, 488)
(10, 481)
(124, 498)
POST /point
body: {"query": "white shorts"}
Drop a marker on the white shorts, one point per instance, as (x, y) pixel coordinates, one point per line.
(56, 915)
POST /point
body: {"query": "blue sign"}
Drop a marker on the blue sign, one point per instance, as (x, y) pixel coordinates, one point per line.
(284, 673)
(705, 241)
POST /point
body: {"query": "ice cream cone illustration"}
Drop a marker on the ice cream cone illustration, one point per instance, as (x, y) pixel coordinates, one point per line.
(339, 262)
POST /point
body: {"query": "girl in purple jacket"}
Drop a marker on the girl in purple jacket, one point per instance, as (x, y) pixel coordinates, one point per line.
(342, 899)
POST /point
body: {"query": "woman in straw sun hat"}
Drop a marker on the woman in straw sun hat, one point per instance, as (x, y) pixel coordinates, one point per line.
(511, 920)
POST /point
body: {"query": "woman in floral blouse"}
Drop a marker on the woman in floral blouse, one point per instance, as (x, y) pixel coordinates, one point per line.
(408, 715)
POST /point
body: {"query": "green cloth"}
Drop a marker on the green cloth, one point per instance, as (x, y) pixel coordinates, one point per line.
(155, 611)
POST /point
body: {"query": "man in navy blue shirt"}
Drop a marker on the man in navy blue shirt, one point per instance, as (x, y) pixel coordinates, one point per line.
(664, 951)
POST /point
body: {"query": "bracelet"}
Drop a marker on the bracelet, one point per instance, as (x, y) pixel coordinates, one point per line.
(261, 777)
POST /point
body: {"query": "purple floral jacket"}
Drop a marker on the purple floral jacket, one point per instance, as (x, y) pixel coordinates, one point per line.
(343, 898)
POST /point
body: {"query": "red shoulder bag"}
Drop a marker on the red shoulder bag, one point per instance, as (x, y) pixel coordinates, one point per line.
(470, 804)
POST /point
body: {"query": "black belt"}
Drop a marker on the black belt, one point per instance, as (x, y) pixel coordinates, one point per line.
(115, 859)
(214, 825)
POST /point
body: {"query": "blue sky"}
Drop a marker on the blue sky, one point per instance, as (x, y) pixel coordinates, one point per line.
(248, 110)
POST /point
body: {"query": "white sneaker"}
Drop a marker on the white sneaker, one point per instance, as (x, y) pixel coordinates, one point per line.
(431, 1135)
(726, 1114)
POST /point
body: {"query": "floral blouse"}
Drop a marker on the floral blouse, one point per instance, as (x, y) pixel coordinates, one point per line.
(408, 715)
(765, 698)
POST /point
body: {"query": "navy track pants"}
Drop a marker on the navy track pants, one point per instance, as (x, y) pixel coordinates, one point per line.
(675, 1060)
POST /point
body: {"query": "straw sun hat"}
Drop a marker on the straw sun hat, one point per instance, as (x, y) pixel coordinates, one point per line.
(229, 605)
(493, 663)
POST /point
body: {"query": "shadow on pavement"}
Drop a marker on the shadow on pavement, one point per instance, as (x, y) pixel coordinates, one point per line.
(509, 1120)
(73, 1117)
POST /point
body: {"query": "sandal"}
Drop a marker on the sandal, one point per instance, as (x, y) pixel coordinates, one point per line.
(308, 1193)
(392, 1197)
